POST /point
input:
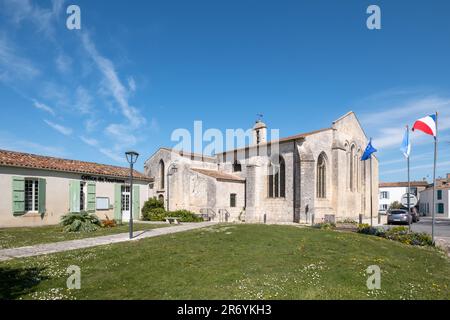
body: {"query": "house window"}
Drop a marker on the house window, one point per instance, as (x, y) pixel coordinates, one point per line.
(440, 208)
(383, 207)
(277, 179)
(233, 200)
(321, 177)
(237, 166)
(31, 195)
(125, 198)
(439, 194)
(384, 195)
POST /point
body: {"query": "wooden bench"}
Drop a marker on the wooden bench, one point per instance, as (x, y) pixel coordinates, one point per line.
(171, 220)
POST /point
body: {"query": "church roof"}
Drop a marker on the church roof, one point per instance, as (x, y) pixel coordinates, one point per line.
(289, 138)
(218, 175)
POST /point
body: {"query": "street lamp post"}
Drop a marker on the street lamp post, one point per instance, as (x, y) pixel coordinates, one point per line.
(170, 171)
(131, 158)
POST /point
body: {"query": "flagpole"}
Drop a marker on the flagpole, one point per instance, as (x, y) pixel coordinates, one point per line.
(434, 179)
(409, 181)
(371, 209)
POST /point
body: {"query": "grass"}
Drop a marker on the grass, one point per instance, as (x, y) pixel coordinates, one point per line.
(235, 262)
(20, 237)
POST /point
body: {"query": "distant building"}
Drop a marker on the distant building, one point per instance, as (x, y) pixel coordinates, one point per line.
(442, 196)
(393, 191)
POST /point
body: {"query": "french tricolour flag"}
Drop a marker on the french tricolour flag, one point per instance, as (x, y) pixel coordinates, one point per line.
(426, 124)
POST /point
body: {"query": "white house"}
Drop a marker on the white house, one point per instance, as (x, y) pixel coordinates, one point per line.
(442, 196)
(393, 191)
(37, 190)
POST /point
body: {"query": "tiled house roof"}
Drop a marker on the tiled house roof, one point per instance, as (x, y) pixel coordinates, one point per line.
(403, 184)
(27, 160)
(218, 175)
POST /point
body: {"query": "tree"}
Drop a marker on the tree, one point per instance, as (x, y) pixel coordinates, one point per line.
(396, 205)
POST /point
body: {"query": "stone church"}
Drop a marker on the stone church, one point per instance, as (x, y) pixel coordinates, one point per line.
(309, 177)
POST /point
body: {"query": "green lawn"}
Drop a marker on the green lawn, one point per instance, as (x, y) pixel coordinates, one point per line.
(235, 262)
(20, 237)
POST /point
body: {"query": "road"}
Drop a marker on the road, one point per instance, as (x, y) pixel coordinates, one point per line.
(441, 227)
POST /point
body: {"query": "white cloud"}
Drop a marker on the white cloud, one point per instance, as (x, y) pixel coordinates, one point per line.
(112, 83)
(114, 155)
(440, 165)
(12, 66)
(91, 124)
(154, 125)
(43, 107)
(43, 19)
(13, 143)
(90, 141)
(389, 124)
(83, 100)
(61, 129)
(121, 134)
(63, 63)
(131, 84)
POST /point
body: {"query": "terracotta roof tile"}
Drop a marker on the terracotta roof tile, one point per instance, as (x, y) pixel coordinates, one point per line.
(218, 175)
(27, 160)
(403, 184)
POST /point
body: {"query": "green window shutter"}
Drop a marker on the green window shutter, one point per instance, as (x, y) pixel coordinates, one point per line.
(18, 195)
(136, 202)
(117, 201)
(74, 195)
(41, 195)
(91, 196)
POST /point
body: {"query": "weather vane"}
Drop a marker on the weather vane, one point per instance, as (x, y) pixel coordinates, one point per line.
(260, 116)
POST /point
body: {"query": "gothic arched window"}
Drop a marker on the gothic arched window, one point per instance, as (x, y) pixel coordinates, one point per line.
(352, 168)
(161, 173)
(277, 179)
(321, 188)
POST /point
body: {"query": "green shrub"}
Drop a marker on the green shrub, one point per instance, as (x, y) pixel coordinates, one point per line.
(80, 222)
(403, 235)
(151, 204)
(400, 234)
(324, 226)
(367, 229)
(347, 221)
(185, 216)
(159, 214)
(155, 214)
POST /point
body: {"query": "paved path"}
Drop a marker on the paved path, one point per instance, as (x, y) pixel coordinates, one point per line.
(7, 254)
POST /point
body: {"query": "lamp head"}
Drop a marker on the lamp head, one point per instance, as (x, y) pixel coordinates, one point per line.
(132, 156)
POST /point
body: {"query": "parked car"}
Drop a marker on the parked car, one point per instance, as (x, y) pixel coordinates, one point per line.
(399, 216)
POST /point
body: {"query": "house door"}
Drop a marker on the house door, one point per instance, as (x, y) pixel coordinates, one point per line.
(125, 203)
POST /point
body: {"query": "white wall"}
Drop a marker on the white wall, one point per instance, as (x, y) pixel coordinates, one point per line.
(395, 194)
(426, 202)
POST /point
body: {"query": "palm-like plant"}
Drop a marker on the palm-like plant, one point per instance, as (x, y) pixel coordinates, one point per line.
(80, 222)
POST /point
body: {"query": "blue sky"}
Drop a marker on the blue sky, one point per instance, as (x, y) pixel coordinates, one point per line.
(137, 70)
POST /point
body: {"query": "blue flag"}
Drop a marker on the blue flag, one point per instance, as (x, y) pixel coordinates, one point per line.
(368, 152)
(406, 145)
